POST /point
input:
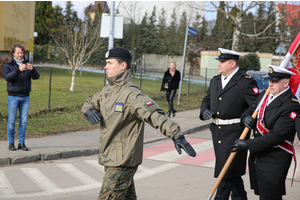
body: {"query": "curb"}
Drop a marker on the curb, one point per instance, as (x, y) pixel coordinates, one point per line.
(35, 157)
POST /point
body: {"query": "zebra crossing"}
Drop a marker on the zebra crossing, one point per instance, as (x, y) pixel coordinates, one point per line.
(88, 174)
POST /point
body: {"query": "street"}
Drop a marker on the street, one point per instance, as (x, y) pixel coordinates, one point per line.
(163, 175)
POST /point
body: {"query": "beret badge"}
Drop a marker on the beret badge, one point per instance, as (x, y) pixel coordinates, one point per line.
(107, 54)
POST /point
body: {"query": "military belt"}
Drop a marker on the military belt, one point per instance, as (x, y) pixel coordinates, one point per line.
(226, 121)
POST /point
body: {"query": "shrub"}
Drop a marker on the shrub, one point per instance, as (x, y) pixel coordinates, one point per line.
(249, 62)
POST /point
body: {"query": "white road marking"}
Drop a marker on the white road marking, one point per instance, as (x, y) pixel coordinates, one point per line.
(29, 196)
(40, 179)
(142, 168)
(210, 164)
(138, 176)
(95, 164)
(5, 186)
(76, 173)
(155, 170)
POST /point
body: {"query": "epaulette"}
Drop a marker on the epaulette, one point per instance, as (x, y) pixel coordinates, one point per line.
(293, 99)
(217, 75)
(8, 61)
(246, 75)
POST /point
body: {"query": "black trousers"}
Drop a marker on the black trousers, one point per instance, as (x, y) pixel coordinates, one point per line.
(235, 186)
(170, 94)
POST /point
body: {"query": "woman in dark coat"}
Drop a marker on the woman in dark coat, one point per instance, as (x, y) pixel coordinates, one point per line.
(170, 84)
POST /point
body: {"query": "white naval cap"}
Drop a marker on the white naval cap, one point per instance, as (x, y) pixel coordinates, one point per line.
(225, 54)
(278, 73)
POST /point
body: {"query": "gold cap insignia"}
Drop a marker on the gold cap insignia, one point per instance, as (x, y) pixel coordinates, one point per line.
(270, 70)
(219, 52)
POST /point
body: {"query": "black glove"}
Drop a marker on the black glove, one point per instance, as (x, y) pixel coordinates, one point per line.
(180, 142)
(207, 114)
(93, 116)
(239, 145)
(249, 121)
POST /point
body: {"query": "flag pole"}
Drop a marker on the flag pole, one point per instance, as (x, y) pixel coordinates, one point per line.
(232, 155)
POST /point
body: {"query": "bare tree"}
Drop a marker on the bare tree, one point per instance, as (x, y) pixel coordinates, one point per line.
(237, 20)
(131, 11)
(242, 9)
(75, 42)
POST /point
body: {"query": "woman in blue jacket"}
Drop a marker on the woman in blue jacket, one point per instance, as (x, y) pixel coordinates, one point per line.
(18, 73)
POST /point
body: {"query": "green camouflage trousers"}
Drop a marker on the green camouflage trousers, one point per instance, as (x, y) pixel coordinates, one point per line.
(118, 184)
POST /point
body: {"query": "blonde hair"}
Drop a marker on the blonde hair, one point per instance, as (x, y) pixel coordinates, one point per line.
(172, 61)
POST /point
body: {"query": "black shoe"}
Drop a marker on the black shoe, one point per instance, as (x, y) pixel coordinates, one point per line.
(169, 114)
(12, 146)
(22, 146)
(174, 112)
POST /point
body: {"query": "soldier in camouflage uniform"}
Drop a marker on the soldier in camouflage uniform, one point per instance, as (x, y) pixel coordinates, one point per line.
(122, 109)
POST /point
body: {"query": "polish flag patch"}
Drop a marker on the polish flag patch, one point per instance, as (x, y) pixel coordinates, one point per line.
(255, 90)
(149, 103)
(293, 115)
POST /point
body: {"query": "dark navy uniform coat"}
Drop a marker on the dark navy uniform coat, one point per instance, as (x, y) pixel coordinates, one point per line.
(229, 103)
(268, 165)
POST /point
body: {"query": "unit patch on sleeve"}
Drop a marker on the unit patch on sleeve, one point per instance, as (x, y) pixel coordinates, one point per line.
(293, 115)
(255, 90)
(119, 107)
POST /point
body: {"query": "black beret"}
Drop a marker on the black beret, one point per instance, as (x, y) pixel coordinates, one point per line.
(118, 53)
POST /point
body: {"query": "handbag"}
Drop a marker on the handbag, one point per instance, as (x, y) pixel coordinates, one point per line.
(166, 86)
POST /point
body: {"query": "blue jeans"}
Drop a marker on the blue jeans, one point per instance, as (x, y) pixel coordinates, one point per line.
(15, 103)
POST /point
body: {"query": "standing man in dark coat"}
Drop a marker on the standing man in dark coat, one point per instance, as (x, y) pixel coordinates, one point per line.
(230, 93)
(271, 149)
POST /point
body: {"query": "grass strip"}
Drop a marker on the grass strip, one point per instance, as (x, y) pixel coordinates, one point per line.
(64, 113)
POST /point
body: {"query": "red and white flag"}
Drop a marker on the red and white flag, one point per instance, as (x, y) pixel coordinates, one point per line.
(292, 63)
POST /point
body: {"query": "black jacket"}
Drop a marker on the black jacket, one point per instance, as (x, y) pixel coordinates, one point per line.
(269, 166)
(229, 103)
(18, 83)
(173, 82)
(278, 119)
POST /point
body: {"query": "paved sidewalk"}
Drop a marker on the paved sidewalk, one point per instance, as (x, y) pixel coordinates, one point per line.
(82, 143)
